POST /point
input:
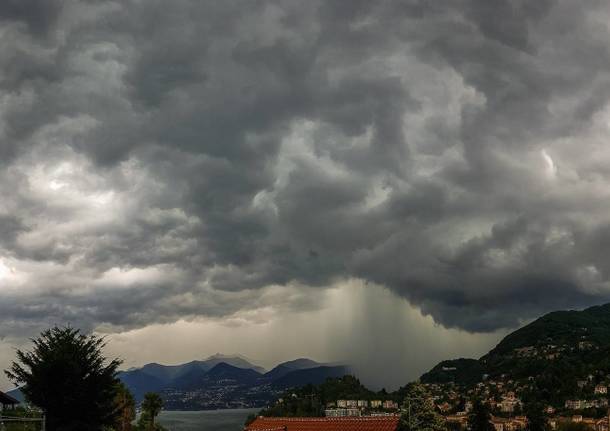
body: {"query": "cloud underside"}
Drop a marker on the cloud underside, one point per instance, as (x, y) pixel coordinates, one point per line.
(163, 161)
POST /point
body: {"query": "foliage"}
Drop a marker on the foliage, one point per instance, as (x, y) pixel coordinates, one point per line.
(561, 327)
(152, 406)
(561, 333)
(310, 400)
(251, 417)
(21, 412)
(480, 417)
(461, 371)
(536, 420)
(572, 426)
(67, 376)
(145, 423)
(421, 413)
(125, 405)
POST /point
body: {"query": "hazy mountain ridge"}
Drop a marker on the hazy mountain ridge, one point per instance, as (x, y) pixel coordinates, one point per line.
(224, 381)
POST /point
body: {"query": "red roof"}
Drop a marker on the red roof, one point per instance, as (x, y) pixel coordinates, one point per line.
(363, 423)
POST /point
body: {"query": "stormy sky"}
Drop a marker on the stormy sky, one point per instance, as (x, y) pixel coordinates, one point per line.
(388, 183)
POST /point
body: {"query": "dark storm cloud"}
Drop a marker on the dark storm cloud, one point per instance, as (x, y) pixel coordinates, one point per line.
(167, 160)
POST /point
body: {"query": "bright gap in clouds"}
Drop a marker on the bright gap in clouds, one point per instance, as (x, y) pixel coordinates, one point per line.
(4, 271)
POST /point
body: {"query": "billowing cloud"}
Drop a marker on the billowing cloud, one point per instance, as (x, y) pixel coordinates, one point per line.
(177, 161)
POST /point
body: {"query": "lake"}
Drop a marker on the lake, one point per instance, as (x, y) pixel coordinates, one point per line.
(206, 420)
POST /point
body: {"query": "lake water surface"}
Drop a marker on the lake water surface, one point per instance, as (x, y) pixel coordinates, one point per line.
(208, 420)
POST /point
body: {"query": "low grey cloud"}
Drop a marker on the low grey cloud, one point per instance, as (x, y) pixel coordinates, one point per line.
(163, 161)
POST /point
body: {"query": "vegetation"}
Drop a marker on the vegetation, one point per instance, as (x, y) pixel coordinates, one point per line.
(310, 400)
(461, 371)
(421, 414)
(151, 407)
(572, 426)
(480, 417)
(67, 376)
(25, 413)
(559, 349)
(536, 419)
(125, 405)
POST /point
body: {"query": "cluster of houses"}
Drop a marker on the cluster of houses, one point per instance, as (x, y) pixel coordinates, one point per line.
(582, 404)
(343, 408)
(520, 422)
(502, 395)
(499, 423)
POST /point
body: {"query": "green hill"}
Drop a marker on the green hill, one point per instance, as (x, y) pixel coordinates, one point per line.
(549, 356)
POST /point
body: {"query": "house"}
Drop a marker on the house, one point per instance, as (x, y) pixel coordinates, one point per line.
(363, 403)
(7, 402)
(601, 389)
(575, 404)
(364, 423)
(375, 404)
(593, 424)
(509, 403)
(460, 420)
(342, 403)
(342, 412)
(390, 405)
(504, 424)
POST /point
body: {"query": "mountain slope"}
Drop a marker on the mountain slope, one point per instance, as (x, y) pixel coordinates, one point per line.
(461, 371)
(139, 383)
(551, 357)
(286, 367)
(234, 360)
(224, 372)
(162, 376)
(561, 327)
(314, 376)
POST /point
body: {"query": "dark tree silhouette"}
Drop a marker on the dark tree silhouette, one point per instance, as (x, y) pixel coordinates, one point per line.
(126, 407)
(67, 376)
(480, 417)
(152, 405)
(536, 420)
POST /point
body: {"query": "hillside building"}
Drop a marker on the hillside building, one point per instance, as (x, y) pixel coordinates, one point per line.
(7, 402)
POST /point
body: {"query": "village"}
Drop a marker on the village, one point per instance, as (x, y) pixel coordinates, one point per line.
(502, 398)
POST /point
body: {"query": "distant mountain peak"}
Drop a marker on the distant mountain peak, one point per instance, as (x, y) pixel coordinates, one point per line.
(222, 380)
(219, 355)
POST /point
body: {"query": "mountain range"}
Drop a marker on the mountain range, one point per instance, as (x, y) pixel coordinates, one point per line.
(224, 381)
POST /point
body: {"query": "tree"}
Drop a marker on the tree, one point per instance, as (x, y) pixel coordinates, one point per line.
(480, 417)
(572, 426)
(152, 405)
(536, 420)
(125, 405)
(421, 414)
(67, 376)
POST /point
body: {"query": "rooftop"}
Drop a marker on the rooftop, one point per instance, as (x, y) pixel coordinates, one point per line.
(7, 399)
(366, 423)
